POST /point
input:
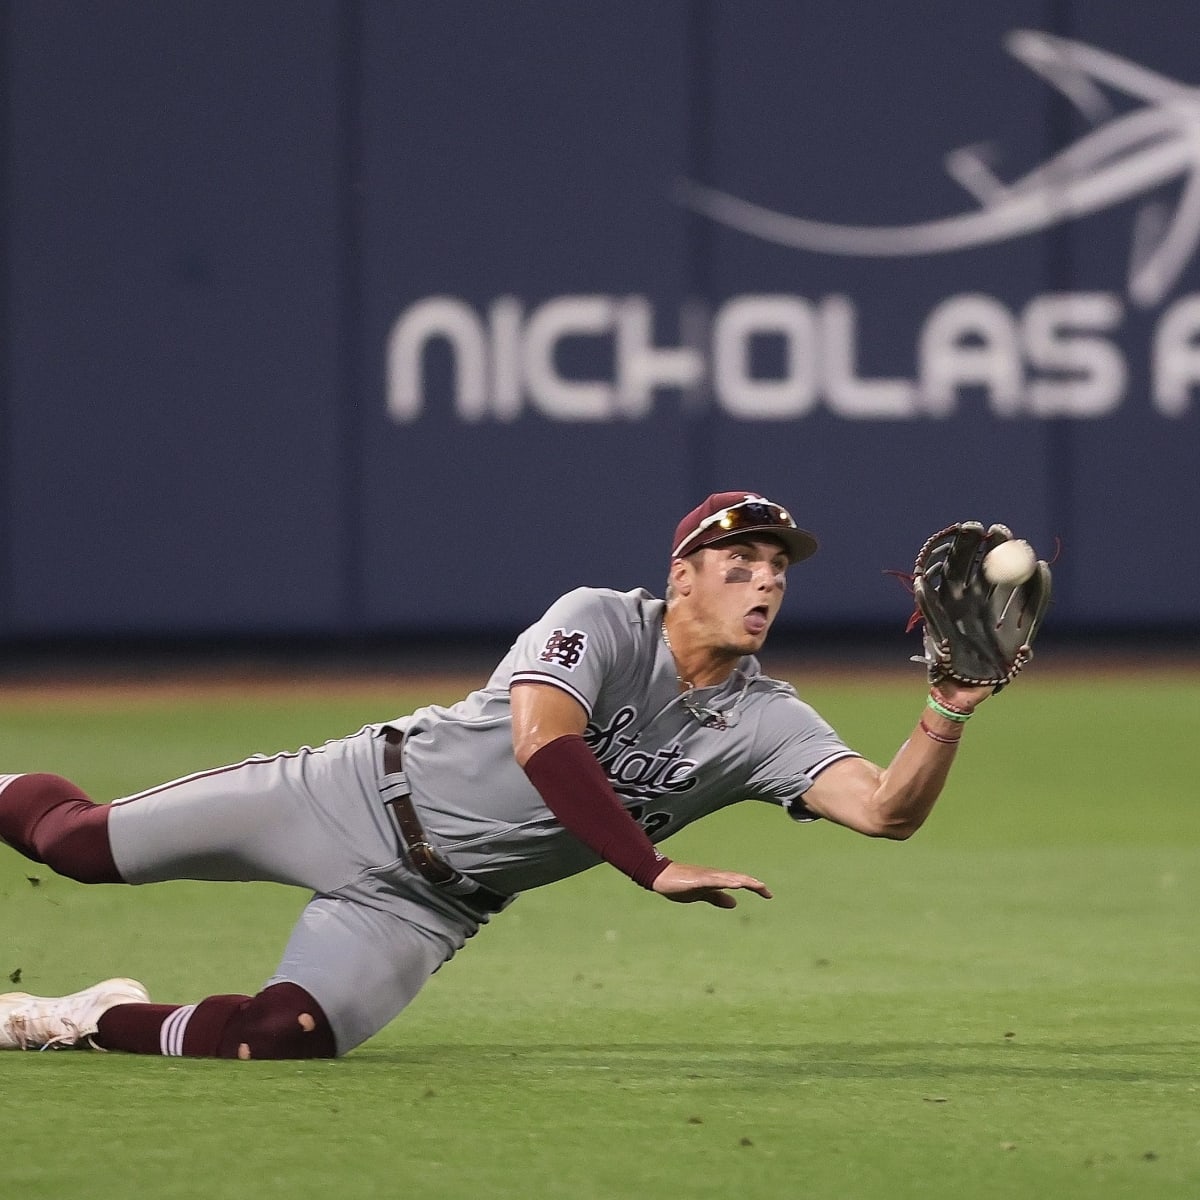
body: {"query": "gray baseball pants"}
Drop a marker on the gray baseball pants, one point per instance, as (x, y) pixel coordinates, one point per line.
(373, 932)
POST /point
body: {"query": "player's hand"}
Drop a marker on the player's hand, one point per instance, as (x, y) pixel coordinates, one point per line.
(686, 885)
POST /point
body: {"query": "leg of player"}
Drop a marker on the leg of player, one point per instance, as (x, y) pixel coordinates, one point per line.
(349, 969)
(52, 821)
(282, 1021)
(354, 960)
(313, 819)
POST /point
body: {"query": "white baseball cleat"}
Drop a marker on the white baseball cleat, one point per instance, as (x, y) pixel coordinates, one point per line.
(62, 1022)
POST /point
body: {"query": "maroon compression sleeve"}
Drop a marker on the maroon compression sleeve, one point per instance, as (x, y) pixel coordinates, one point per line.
(572, 783)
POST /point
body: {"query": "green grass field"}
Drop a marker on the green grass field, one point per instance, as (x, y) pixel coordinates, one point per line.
(1005, 1006)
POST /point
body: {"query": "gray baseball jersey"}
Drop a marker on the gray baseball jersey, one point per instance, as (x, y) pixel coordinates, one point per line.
(672, 758)
(375, 930)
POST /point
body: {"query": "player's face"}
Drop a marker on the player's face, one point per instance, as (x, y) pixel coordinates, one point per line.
(739, 587)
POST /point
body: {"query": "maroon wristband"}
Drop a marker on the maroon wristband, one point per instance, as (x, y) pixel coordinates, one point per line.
(576, 790)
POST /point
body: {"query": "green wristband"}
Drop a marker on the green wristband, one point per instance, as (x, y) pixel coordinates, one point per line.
(942, 711)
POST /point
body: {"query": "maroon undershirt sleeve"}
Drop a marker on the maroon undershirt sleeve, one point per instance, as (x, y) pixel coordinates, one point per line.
(572, 782)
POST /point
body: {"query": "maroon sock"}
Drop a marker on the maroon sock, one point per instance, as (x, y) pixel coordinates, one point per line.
(134, 1028)
(51, 820)
(173, 1029)
(282, 1021)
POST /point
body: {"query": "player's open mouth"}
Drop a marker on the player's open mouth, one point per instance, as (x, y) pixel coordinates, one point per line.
(756, 620)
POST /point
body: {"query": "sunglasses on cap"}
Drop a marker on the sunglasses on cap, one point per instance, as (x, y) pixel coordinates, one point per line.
(757, 515)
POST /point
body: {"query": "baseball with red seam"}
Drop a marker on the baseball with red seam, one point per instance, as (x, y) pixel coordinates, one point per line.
(1010, 564)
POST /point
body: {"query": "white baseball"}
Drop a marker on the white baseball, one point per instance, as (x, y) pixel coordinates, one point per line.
(1010, 563)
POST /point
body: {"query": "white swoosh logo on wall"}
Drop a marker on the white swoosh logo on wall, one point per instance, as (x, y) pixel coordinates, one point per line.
(1122, 157)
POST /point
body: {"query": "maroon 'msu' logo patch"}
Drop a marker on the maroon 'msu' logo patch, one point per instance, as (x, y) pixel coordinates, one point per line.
(564, 648)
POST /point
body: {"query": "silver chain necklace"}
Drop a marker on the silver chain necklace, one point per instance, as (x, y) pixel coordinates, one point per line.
(710, 718)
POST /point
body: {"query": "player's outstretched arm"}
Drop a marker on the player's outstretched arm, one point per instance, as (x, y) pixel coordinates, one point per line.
(687, 885)
(893, 801)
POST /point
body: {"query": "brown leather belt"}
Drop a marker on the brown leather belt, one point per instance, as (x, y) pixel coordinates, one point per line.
(421, 855)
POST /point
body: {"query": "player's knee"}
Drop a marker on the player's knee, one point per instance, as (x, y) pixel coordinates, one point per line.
(76, 844)
(282, 1021)
(53, 821)
(24, 802)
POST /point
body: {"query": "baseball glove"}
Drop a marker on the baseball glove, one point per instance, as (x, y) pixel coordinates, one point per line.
(975, 632)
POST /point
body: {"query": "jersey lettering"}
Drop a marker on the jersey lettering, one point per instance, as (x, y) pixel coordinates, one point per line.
(601, 740)
(564, 648)
(652, 823)
(639, 772)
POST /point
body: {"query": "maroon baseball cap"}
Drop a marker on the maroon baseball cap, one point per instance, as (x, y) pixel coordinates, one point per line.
(732, 514)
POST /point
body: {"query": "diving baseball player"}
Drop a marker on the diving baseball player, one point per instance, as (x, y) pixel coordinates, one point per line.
(613, 721)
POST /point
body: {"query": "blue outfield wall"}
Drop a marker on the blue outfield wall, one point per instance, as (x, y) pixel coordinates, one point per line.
(357, 317)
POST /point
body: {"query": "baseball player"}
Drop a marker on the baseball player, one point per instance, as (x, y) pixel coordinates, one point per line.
(614, 720)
